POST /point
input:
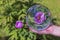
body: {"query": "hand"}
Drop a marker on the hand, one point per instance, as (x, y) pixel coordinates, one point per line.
(53, 30)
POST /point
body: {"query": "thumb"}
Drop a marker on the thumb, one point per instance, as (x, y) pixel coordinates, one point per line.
(46, 31)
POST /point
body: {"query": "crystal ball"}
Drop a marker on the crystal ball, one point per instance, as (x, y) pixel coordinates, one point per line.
(38, 17)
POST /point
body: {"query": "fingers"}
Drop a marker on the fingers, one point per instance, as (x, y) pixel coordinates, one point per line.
(35, 31)
(38, 32)
(46, 31)
(53, 30)
(56, 31)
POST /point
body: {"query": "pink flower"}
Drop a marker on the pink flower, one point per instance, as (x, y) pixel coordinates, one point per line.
(19, 24)
(39, 17)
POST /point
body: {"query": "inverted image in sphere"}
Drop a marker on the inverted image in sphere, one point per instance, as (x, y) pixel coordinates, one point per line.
(38, 17)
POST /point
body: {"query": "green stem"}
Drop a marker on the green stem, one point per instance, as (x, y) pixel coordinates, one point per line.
(44, 37)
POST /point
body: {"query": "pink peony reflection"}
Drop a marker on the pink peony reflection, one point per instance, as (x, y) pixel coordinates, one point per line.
(39, 18)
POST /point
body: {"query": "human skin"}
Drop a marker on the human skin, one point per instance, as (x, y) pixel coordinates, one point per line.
(53, 30)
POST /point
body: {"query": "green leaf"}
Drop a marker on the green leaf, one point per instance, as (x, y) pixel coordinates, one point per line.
(4, 31)
(28, 39)
(22, 38)
(31, 19)
(12, 32)
(13, 35)
(22, 16)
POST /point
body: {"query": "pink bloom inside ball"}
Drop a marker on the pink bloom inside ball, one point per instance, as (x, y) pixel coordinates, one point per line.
(39, 17)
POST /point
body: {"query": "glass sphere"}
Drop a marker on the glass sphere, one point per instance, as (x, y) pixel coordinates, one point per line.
(38, 17)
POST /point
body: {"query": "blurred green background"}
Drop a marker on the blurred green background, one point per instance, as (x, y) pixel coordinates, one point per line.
(13, 10)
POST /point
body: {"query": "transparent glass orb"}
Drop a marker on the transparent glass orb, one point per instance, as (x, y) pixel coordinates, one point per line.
(38, 17)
